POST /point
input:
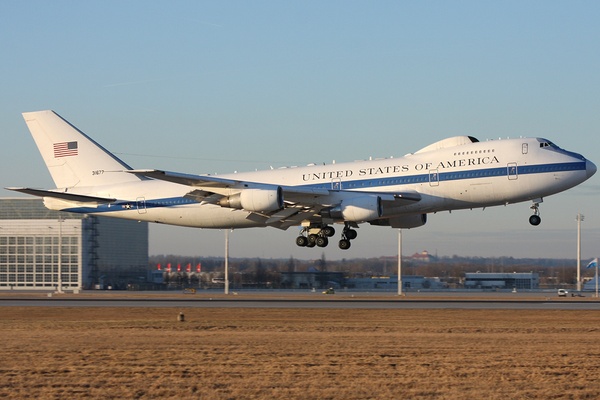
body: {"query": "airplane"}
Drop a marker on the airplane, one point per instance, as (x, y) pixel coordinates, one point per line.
(455, 173)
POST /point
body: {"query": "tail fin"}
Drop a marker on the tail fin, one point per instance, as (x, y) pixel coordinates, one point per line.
(73, 158)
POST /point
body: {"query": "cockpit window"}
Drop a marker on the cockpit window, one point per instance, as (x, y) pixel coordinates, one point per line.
(547, 143)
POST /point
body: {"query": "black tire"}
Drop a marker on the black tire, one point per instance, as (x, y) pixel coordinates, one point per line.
(322, 241)
(535, 220)
(344, 244)
(351, 234)
(329, 231)
(301, 241)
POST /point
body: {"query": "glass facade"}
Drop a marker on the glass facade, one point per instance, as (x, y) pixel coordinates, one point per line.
(41, 253)
(43, 249)
(490, 280)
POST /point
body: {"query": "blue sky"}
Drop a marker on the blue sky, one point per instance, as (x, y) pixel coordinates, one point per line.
(217, 87)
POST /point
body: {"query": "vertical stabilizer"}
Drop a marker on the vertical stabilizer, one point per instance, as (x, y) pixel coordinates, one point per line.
(73, 158)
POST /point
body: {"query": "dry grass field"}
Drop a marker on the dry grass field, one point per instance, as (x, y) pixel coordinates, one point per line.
(128, 353)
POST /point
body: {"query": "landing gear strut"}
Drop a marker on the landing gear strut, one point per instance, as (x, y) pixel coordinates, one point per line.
(535, 219)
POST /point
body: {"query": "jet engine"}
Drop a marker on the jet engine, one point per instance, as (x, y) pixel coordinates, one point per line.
(258, 200)
(357, 209)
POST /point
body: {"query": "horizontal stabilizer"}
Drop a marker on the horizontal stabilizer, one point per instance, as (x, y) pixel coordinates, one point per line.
(80, 198)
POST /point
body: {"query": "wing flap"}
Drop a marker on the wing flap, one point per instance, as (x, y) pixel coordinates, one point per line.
(204, 196)
(282, 215)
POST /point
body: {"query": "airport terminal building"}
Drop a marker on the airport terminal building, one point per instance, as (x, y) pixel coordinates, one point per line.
(44, 249)
(515, 280)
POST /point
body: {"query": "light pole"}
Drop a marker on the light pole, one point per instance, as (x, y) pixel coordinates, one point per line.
(60, 221)
(226, 261)
(399, 262)
(579, 219)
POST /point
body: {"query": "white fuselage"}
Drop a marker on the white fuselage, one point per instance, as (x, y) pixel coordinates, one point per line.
(473, 175)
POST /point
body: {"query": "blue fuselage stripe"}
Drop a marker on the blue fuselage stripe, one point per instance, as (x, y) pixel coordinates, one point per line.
(455, 176)
(357, 184)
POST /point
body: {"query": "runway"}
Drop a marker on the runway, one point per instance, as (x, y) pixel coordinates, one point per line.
(303, 302)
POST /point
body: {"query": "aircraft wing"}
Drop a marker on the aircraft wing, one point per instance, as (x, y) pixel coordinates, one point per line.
(187, 179)
(301, 203)
(213, 184)
(80, 198)
(208, 185)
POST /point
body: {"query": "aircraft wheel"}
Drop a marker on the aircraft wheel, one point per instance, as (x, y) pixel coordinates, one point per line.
(322, 241)
(535, 220)
(351, 234)
(312, 238)
(344, 244)
(328, 231)
(301, 241)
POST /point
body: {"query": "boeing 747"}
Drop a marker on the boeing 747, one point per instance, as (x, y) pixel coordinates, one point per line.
(455, 173)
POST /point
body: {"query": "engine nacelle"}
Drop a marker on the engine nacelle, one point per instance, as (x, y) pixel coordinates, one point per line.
(408, 221)
(258, 200)
(357, 209)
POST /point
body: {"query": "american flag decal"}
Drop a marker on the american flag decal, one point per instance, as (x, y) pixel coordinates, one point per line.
(65, 149)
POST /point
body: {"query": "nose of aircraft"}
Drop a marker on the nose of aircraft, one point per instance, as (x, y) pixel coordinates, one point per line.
(590, 168)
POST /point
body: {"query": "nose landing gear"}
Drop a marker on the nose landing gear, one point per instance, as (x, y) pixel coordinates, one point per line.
(535, 219)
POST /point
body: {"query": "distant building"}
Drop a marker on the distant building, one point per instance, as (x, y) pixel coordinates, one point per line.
(515, 280)
(44, 249)
(312, 279)
(391, 283)
(157, 277)
(422, 257)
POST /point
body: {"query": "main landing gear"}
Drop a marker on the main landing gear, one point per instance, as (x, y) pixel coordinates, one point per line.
(319, 236)
(315, 236)
(348, 234)
(535, 219)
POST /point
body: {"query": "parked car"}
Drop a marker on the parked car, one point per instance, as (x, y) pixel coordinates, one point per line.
(562, 292)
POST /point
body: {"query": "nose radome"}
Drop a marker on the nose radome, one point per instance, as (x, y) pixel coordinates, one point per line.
(590, 168)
